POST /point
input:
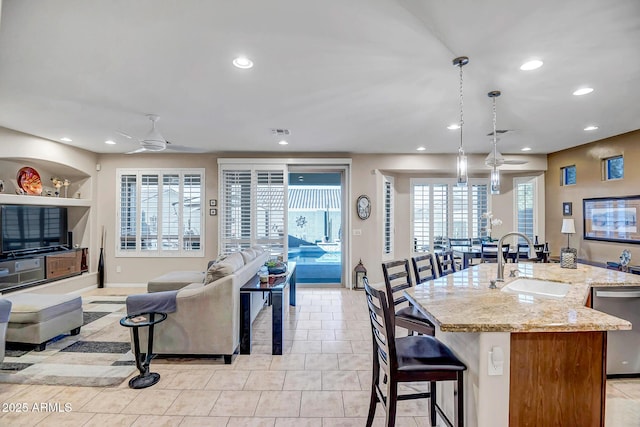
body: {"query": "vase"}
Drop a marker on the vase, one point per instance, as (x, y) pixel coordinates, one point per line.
(101, 269)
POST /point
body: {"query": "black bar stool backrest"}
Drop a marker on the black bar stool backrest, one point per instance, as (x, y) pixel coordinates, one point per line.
(424, 268)
(381, 327)
(446, 263)
(396, 279)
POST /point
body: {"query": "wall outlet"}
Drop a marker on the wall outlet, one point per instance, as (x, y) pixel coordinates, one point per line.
(118, 269)
(357, 232)
(496, 361)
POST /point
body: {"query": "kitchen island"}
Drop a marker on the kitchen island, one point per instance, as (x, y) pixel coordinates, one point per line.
(533, 359)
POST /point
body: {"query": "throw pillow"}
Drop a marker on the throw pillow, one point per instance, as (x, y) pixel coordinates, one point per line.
(248, 255)
(236, 260)
(219, 270)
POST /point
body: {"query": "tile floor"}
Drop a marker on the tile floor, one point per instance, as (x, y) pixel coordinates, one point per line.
(322, 380)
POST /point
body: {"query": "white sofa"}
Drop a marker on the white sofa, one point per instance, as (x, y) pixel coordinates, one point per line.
(207, 319)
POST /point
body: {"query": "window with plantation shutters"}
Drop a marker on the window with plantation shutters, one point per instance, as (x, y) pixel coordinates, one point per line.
(442, 210)
(387, 232)
(160, 212)
(252, 207)
(524, 193)
(479, 207)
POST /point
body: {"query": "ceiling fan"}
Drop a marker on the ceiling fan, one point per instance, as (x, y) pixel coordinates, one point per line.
(154, 141)
(495, 158)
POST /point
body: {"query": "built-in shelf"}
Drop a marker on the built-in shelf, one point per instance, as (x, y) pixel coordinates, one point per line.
(16, 199)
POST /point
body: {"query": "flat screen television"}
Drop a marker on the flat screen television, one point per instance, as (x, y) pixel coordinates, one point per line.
(28, 228)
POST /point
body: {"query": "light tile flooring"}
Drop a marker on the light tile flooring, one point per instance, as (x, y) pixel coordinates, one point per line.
(322, 380)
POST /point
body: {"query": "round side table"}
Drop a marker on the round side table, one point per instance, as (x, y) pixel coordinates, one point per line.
(136, 321)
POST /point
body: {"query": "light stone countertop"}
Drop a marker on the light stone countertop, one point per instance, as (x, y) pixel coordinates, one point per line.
(463, 302)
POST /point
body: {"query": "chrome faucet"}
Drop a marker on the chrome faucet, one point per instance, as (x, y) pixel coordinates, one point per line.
(500, 255)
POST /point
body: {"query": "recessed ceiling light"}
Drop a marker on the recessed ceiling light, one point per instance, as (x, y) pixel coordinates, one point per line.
(243, 62)
(65, 139)
(283, 142)
(531, 65)
(420, 148)
(588, 128)
(583, 91)
(453, 126)
(525, 149)
(110, 142)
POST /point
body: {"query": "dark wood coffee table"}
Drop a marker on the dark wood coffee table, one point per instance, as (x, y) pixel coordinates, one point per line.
(276, 287)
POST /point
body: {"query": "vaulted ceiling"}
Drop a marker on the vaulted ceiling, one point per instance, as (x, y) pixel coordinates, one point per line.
(361, 76)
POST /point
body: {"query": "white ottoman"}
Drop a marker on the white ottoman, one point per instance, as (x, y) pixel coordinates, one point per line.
(36, 318)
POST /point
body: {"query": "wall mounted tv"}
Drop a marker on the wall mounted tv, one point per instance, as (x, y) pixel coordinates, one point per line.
(28, 228)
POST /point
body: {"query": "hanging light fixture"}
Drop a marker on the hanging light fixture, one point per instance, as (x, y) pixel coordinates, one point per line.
(462, 158)
(495, 173)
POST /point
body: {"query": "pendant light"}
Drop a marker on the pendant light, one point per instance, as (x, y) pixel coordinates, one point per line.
(461, 164)
(495, 173)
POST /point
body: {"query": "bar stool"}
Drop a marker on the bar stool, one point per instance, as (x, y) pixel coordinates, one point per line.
(424, 268)
(446, 263)
(396, 280)
(408, 359)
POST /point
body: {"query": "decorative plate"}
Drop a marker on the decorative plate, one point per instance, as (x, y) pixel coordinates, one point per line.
(29, 181)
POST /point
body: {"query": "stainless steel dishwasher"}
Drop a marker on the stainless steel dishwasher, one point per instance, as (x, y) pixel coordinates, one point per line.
(623, 347)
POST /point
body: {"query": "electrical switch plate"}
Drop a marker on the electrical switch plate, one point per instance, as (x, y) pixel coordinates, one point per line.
(357, 232)
(495, 361)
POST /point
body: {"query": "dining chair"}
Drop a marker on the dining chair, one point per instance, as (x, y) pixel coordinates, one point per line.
(446, 263)
(489, 252)
(424, 268)
(396, 280)
(419, 358)
(523, 253)
(462, 243)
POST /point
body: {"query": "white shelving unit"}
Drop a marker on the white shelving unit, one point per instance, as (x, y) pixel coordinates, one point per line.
(15, 199)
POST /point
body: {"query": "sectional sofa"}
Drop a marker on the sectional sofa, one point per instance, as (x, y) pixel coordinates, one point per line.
(207, 317)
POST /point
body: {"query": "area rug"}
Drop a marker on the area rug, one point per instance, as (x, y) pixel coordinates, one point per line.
(99, 356)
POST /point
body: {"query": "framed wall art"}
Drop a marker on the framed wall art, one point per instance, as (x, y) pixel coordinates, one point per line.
(567, 209)
(612, 219)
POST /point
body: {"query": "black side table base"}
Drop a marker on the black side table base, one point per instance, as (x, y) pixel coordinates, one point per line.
(144, 381)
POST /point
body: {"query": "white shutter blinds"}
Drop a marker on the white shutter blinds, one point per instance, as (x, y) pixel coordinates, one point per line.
(160, 212)
(388, 216)
(442, 210)
(525, 198)
(269, 210)
(128, 197)
(235, 210)
(460, 212)
(421, 228)
(253, 208)
(479, 206)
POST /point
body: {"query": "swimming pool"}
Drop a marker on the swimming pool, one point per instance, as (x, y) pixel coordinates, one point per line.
(314, 265)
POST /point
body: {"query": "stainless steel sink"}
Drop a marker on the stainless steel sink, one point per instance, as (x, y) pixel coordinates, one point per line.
(542, 288)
